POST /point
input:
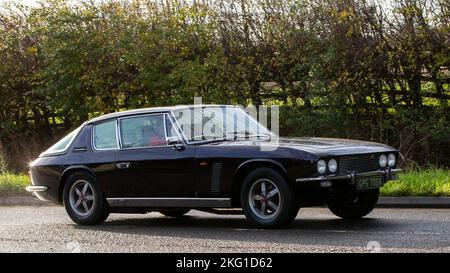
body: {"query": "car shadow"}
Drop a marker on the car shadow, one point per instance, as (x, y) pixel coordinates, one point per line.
(240, 223)
(310, 231)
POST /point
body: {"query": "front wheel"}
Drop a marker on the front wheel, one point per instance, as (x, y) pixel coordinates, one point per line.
(83, 199)
(362, 205)
(267, 199)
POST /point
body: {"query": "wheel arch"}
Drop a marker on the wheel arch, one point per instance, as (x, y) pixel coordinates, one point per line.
(69, 171)
(248, 166)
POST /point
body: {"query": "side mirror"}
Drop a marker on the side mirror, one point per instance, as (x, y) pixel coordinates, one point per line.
(173, 141)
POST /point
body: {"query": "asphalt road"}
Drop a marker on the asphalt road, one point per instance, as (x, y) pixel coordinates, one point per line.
(48, 229)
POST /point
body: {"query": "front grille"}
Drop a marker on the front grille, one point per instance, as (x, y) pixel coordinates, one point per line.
(358, 163)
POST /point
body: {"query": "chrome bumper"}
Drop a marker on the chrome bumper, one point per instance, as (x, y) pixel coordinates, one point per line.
(388, 175)
(36, 188)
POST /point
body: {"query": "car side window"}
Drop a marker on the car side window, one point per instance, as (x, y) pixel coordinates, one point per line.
(143, 131)
(105, 137)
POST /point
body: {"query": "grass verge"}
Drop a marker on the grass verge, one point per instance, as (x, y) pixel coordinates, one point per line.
(422, 182)
(13, 184)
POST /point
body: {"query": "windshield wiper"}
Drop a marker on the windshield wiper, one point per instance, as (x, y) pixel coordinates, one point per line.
(210, 138)
(249, 134)
(235, 136)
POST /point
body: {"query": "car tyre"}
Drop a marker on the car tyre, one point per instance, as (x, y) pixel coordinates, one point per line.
(84, 200)
(267, 199)
(294, 213)
(363, 204)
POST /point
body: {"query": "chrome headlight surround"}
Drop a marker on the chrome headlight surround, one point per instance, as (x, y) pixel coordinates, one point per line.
(382, 161)
(332, 165)
(391, 160)
(321, 166)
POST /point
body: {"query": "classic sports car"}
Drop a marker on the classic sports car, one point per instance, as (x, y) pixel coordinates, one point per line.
(214, 158)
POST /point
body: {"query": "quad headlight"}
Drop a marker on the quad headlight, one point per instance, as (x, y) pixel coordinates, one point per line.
(332, 165)
(321, 166)
(383, 161)
(391, 160)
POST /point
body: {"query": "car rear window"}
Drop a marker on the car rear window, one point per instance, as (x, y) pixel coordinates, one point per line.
(62, 145)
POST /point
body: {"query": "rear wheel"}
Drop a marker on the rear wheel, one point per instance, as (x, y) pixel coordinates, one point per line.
(83, 199)
(267, 200)
(362, 205)
(174, 212)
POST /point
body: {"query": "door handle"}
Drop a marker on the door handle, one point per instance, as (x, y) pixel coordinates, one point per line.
(123, 165)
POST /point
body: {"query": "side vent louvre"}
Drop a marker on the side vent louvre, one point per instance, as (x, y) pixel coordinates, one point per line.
(216, 176)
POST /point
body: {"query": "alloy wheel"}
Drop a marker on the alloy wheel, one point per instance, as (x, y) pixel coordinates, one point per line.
(82, 199)
(264, 199)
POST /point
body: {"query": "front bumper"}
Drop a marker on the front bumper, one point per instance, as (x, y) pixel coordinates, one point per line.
(388, 174)
(36, 189)
(39, 192)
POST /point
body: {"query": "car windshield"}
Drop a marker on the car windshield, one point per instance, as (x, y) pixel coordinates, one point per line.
(219, 123)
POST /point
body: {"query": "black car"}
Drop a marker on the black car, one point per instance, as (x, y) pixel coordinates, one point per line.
(213, 158)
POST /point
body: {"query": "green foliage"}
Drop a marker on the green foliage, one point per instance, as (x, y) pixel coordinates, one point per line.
(354, 70)
(420, 182)
(13, 184)
(421, 134)
(295, 121)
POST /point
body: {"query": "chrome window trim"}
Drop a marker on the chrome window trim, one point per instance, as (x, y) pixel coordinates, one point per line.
(158, 202)
(179, 127)
(165, 129)
(167, 116)
(176, 126)
(138, 116)
(94, 148)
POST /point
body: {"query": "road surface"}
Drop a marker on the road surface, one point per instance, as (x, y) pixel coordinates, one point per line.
(48, 229)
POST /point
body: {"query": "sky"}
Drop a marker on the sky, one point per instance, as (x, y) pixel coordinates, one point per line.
(21, 1)
(34, 1)
(384, 3)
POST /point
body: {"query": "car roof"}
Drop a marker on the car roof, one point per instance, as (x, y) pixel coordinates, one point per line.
(150, 110)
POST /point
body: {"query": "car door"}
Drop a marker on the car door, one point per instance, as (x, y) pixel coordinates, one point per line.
(102, 159)
(147, 166)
